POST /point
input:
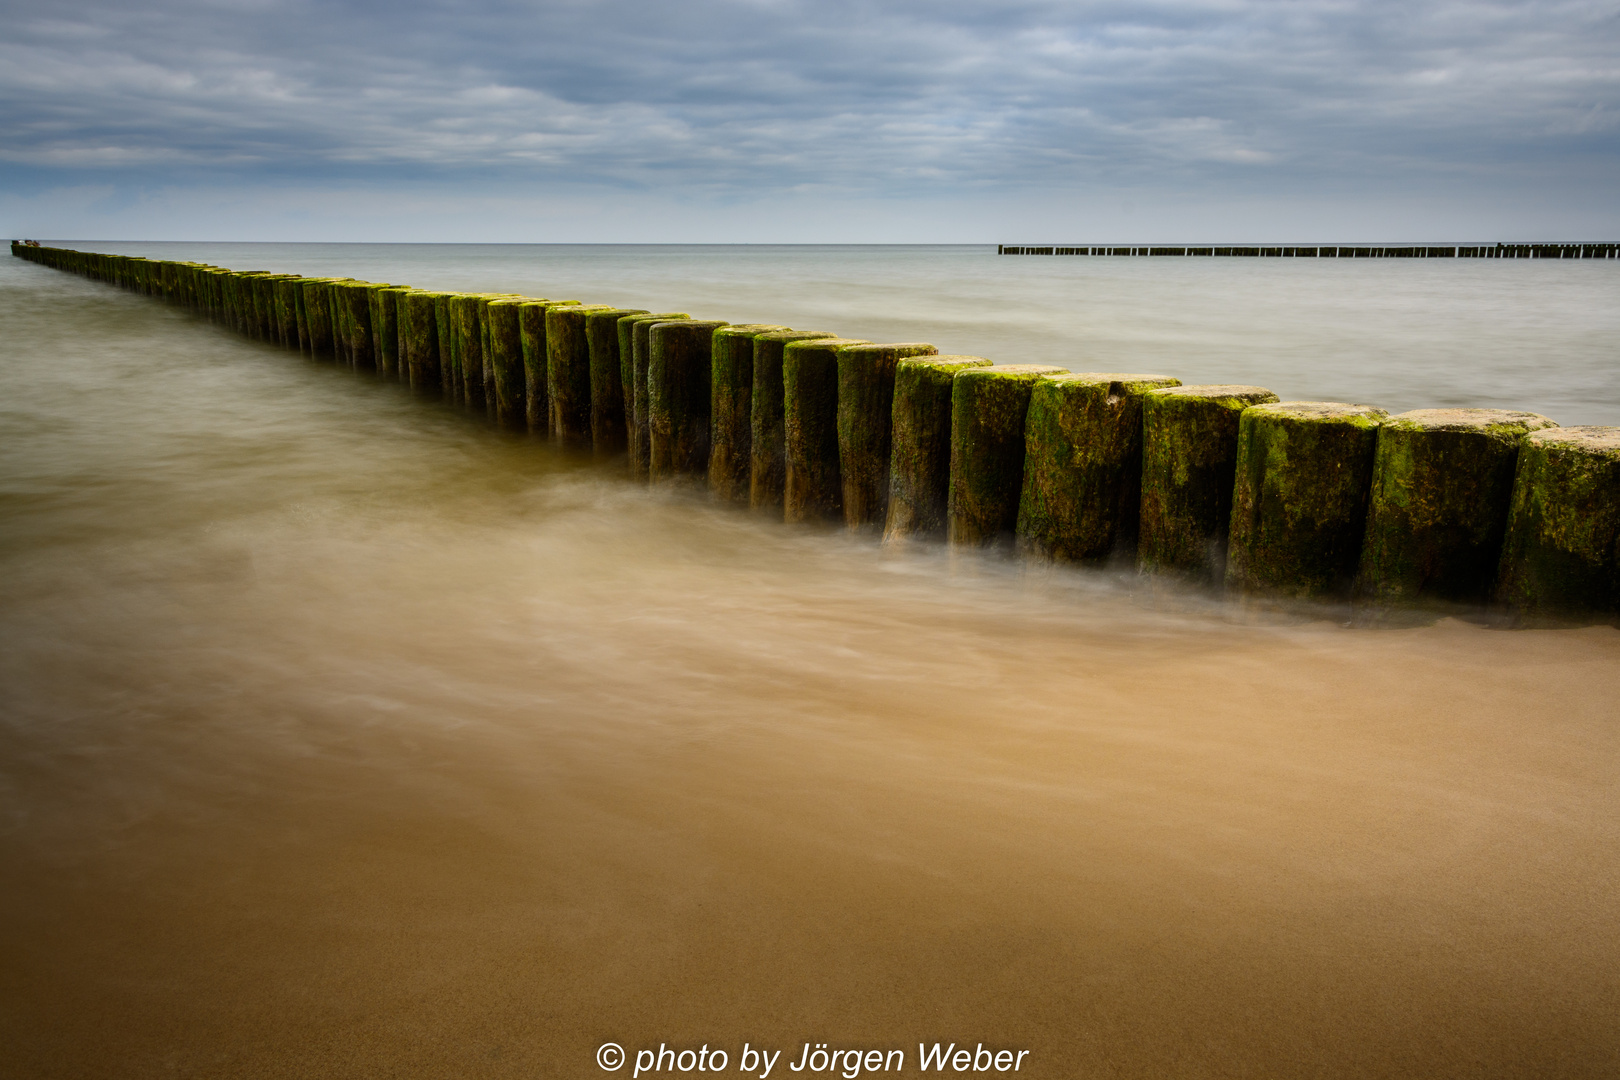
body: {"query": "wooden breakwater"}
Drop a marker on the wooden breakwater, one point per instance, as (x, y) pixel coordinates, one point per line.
(1331, 251)
(1223, 485)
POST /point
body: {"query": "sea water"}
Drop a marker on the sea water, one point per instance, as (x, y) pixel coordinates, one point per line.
(342, 734)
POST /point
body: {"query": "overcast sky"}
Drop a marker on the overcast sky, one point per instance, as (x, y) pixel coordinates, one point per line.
(780, 120)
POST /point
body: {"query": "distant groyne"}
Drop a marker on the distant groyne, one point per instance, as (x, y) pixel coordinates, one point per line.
(1331, 251)
(1222, 485)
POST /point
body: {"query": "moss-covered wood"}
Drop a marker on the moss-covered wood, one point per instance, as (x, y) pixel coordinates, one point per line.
(865, 415)
(385, 318)
(767, 431)
(608, 418)
(1082, 482)
(318, 317)
(920, 445)
(637, 329)
(285, 292)
(1561, 556)
(1189, 464)
(568, 373)
(449, 362)
(1299, 503)
(1442, 483)
(812, 487)
(678, 361)
(988, 406)
(467, 327)
(355, 298)
(536, 382)
(505, 358)
(419, 337)
(731, 396)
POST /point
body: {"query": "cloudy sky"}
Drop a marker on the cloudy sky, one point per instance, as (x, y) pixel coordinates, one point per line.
(782, 120)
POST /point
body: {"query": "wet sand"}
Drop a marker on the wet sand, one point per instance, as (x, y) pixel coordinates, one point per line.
(342, 736)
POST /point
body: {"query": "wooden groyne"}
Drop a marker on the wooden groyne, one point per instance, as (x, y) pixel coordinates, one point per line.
(1331, 251)
(1220, 485)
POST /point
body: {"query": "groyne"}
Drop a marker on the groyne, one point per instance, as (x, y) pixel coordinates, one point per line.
(1331, 251)
(1222, 486)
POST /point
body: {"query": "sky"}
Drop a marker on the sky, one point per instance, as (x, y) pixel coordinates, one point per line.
(756, 121)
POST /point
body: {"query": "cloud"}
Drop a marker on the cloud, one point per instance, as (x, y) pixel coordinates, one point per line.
(746, 99)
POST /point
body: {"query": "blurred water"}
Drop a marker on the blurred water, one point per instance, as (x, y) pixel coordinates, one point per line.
(341, 734)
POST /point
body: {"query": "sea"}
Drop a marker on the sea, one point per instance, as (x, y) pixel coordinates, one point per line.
(344, 734)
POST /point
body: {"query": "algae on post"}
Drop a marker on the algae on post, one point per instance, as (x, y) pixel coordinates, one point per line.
(988, 407)
(812, 489)
(1442, 484)
(1299, 503)
(1561, 555)
(767, 432)
(678, 356)
(1189, 464)
(865, 413)
(731, 398)
(920, 446)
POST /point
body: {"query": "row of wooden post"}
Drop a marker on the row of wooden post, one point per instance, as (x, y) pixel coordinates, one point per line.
(1219, 484)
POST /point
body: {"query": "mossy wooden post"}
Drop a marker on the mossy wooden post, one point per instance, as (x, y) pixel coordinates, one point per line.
(638, 432)
(812, 488)
(865, 415)
(467, 329)
(285, 289)
(731, 396)
(678, 363)
(568, 373)
(318, 316)
(506, 362)
(532, 331)
(486, 330)
(419, 338)
(390, 340)
(607, 378)
(920, 450)
(767, 453)
(1442, 484)
(1083, 466)
(1299, 503)
(1561, 555)
(444, 319)
(988, 406)
(338, 303)
(1189, 464)
(356, 297)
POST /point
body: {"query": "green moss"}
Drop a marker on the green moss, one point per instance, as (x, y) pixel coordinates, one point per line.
(1082, 477)
(678, 364)
(467, 331)
(865, 413)
(920, 448)
(318, 316)
(635, 333)
(385, 311)
(504, 337)
(731, 395)
(568, 373)
(767, 427)
(536, 391)
(1442, 483)
(419, 337)
(988, 406)
(1299, 503)
(812, 488)
(608, 416)
(1562, 551)
(1189, 464)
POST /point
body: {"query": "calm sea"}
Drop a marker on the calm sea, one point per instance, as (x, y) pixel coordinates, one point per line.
(343, 735)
